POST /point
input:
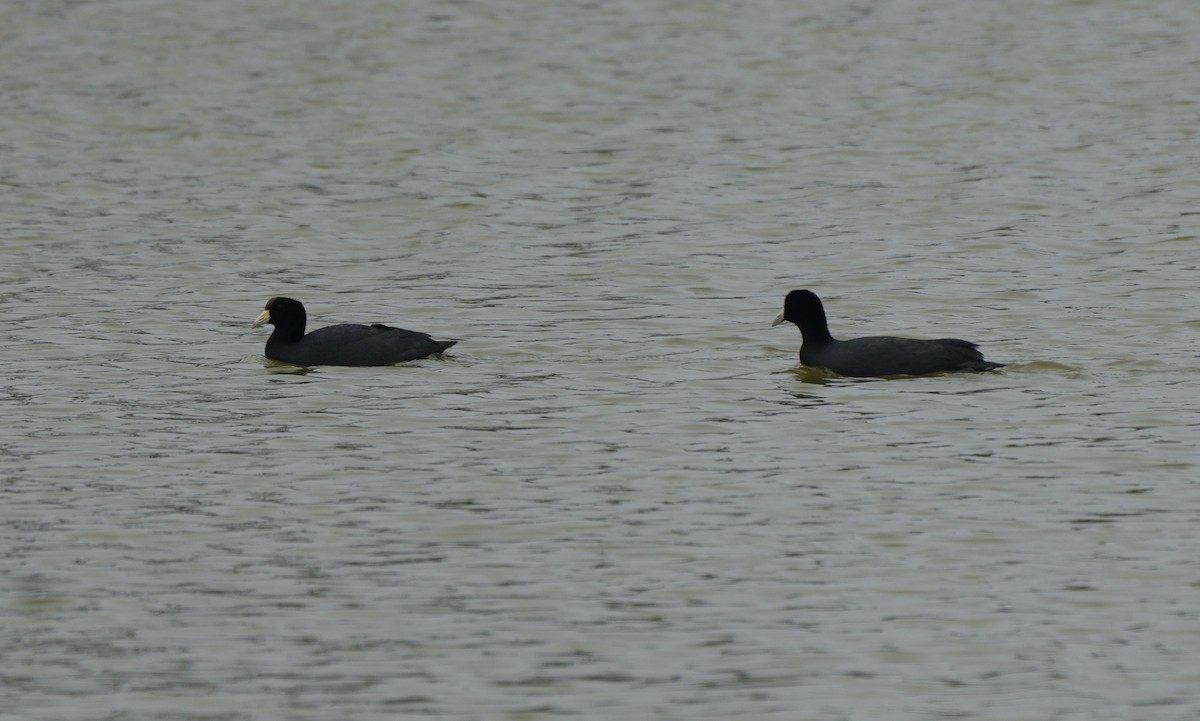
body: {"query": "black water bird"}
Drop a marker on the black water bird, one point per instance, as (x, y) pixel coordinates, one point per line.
(882, 355)
(340, 345)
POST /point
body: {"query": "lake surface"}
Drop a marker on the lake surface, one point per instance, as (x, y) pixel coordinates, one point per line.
(620, 497)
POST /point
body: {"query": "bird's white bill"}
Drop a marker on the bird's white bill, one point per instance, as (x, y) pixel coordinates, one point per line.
(263, 317)
(778, 319)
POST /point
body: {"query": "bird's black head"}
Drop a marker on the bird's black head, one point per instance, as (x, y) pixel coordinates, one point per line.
(804, 308)
(286, 314)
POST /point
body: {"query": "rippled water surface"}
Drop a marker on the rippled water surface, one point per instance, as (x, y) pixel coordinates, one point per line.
(620, 497)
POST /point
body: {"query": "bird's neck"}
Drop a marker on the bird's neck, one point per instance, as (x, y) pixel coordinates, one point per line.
(287, 335)
(815, 328)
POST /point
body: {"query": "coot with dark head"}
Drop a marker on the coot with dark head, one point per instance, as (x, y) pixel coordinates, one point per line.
(340, 345)
(881, 355)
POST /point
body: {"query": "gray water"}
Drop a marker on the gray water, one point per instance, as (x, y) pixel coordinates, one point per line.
(619, 497)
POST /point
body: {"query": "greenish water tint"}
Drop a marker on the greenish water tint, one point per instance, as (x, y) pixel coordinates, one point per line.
(619, 497)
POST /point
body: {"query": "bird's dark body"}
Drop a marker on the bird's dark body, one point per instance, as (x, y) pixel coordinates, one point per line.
(883, 355)
(355, 345)
(880, 355)
(348, 344)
